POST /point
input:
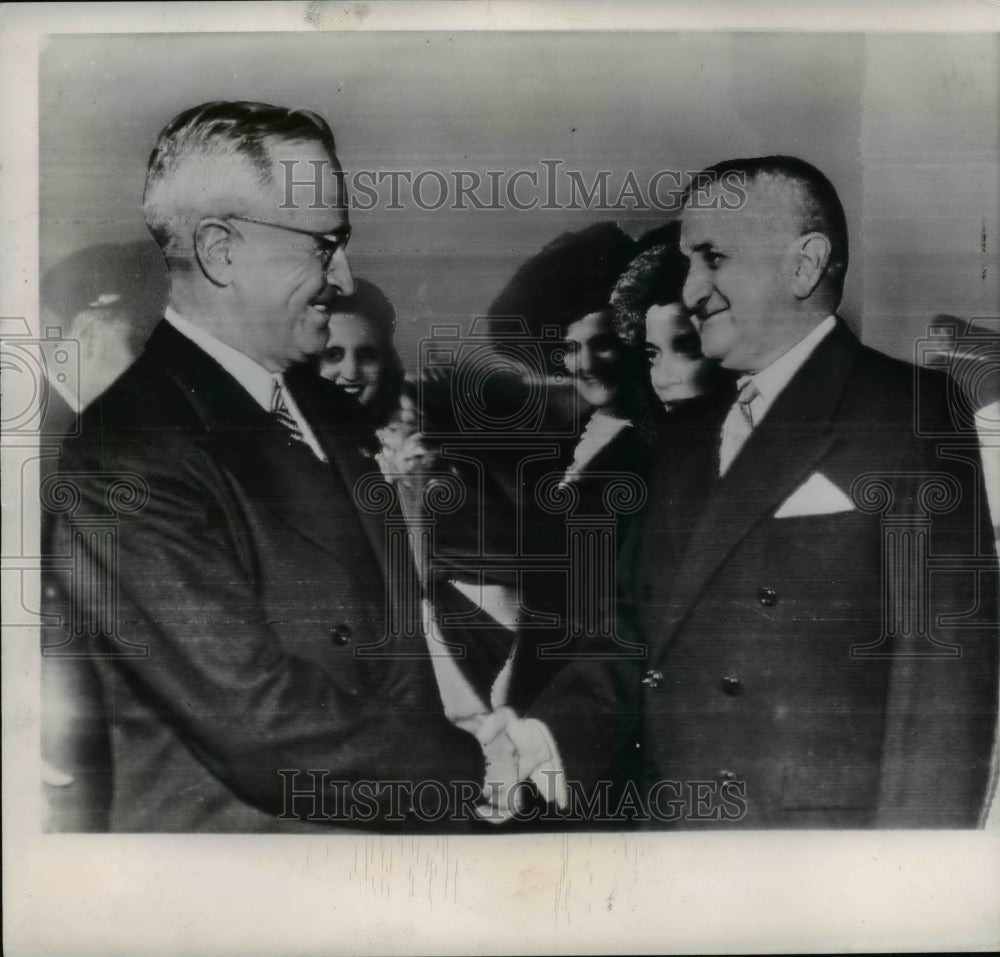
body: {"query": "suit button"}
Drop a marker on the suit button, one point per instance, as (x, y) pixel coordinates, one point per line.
(768, 597)
(731, 686)
(341, 634)
(652, 678)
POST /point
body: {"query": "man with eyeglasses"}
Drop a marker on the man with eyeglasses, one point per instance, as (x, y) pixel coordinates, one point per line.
(256, 646)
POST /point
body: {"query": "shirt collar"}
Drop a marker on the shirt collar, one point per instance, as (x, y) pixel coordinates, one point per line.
(246, 371)
(772, 380)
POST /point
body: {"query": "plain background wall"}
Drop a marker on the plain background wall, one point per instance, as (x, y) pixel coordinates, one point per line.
(905, 126)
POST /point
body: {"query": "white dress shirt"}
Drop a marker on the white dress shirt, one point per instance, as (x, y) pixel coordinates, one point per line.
(769, 382)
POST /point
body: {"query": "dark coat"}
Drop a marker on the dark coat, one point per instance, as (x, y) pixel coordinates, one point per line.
(252, 607)
(517, 529)
(787, 667)
(74, 735)
(583, 531)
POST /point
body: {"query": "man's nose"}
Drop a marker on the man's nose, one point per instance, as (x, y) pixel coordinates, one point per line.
(696, 288)
(339, 274)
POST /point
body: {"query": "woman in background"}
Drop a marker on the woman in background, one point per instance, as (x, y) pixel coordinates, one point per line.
(361, 360)
(650, 317)
(595, 437)
(360, 356)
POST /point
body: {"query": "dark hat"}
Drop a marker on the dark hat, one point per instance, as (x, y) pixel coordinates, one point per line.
(570, 278)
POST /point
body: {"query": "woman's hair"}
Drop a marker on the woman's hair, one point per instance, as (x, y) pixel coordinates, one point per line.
(655, 277)
(373, 306)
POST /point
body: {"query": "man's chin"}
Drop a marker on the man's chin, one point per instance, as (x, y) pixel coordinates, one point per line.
(713, 346)
(311, 341)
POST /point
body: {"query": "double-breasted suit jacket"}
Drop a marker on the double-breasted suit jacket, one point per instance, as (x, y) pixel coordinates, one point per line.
(248, 637)
(819, 625)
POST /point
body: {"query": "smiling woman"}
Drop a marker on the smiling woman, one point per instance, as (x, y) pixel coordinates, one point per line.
(649, 313)
(360, 356)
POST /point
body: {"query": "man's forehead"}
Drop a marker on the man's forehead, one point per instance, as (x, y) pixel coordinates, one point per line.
(712, 218)
(309, 190)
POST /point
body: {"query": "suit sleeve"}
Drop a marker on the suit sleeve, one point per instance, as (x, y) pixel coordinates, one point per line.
(216, 670)
(941, 703)
(591, 708)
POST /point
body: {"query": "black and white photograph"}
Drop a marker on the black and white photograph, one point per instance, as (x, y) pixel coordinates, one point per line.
(518, 462)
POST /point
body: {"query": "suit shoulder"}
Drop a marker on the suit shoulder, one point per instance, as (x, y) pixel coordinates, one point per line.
(900, 389)
(885, 373)
(140, 414)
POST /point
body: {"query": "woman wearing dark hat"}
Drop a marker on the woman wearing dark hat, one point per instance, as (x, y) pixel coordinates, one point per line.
(562, 296)
(600, 422)
(520, 391)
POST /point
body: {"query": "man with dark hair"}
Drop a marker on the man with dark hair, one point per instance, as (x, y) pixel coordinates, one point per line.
(816, 594)
(255, 664)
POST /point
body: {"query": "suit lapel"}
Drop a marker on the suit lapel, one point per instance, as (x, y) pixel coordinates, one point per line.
(690, 466)
(778, 457)
(335, 422)
(278, 472)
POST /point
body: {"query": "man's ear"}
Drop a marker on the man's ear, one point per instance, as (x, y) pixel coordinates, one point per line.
(212, 248)
(812, 257)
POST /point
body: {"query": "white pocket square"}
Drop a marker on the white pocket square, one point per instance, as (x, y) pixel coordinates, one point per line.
(816, 496)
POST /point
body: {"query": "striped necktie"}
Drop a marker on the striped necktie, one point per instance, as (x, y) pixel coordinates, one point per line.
(280, 410)
(739, 423)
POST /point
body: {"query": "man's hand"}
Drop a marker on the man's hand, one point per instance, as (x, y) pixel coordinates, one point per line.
(501, 800)
(518, 750)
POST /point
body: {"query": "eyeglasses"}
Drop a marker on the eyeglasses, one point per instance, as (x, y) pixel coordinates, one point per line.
(327, 244)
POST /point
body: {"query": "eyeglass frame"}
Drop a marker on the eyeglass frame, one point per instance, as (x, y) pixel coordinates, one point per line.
(327, 244)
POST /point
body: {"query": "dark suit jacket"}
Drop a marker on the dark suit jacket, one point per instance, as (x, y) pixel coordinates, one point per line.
(257, 589)
(73, 730)
(602, 496)
(790, 672)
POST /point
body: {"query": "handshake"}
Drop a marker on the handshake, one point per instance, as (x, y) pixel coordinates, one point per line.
(517, 751)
